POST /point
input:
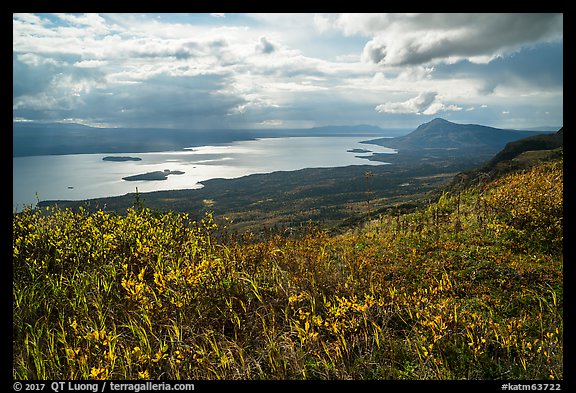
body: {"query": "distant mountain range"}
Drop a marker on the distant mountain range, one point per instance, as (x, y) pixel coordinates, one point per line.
(52, 139)
(440, 134)
(33, 139)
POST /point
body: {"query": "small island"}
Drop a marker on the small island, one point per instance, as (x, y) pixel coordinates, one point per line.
(156, 175)
(359, 151)
(117, 159)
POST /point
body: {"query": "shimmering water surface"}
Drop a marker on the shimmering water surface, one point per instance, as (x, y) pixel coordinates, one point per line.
(85, 176)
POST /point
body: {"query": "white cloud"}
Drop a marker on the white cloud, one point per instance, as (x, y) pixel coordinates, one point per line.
(425, 103)
(90, 63)
(30, 19)
(271, 123)
(282, 67)
(322, 23)
(35, 60)
(417, 104)
(93, 21)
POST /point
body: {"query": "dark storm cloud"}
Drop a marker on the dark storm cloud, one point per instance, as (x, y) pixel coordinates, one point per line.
(416, 39)
(540, 66)
(30, 79)
(165, 101)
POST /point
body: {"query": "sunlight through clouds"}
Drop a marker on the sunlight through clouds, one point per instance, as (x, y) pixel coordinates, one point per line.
(245, 69)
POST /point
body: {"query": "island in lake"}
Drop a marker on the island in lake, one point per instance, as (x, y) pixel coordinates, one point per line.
(359, 151)
(115, 158)
(156, 175)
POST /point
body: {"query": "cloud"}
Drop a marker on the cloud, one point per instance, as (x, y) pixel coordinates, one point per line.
(93, 21)
(538, 67)
(414, 105)
(265, 46)
(425, 103)
(410, 39)
(212, 73)
(271, 123)
(90, 63)
(244, 70)
(322, 23)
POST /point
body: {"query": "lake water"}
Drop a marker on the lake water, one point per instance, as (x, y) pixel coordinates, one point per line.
(86, 176)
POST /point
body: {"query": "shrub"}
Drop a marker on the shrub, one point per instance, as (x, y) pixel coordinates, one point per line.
(147, 295)
(528, 208)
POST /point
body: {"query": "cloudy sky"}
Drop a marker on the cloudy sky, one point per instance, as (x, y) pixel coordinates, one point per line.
(288, 70)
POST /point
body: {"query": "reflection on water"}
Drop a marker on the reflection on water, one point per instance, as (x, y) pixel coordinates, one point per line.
(85, 176)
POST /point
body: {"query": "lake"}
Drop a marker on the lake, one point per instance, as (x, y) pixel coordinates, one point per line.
(86, 176)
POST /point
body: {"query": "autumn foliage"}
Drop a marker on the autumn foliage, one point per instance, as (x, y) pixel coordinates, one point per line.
(470, 287)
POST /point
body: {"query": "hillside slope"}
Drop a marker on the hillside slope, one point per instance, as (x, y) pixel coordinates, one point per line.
(468, 287)
(531, 143)
(517, 155)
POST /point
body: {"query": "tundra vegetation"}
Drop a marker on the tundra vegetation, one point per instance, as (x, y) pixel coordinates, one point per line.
(467, 287)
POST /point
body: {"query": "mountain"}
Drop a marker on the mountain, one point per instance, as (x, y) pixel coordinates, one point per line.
(45, 139)
(440, 134)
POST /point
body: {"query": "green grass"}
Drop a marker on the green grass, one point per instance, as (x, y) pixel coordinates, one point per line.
(468, 288)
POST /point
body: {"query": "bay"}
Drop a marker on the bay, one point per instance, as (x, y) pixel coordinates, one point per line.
(86, 176)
